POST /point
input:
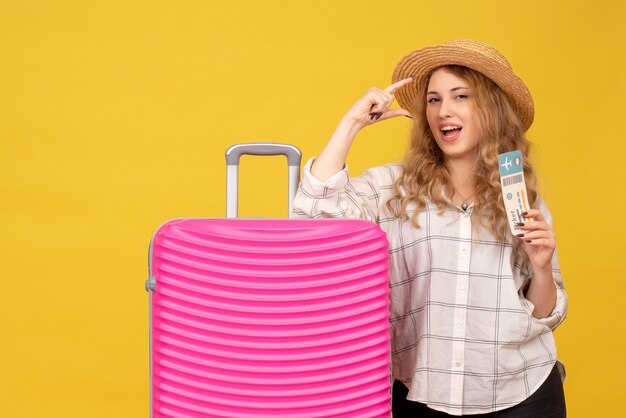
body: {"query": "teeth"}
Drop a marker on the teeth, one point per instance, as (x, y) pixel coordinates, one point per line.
(449, 128)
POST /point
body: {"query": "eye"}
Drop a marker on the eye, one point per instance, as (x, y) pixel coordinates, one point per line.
(433, 100)
(461, 97)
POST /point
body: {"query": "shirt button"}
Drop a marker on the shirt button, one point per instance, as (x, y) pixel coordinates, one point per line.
(462, 287)
(457, 364)
(464, 250)
(458, 325)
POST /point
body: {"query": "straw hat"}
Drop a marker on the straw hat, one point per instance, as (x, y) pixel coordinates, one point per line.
(468, 53)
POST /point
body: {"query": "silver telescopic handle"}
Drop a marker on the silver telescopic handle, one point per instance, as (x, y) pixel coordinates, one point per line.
(234, 153)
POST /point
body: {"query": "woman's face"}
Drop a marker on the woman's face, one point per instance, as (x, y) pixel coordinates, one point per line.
(450, 114)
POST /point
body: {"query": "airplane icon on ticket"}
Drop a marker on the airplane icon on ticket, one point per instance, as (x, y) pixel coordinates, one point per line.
(507, 164)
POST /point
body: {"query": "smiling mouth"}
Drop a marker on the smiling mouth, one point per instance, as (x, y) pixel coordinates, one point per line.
(450, 132)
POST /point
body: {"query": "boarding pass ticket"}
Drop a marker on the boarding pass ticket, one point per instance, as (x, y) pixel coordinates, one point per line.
(513, 188)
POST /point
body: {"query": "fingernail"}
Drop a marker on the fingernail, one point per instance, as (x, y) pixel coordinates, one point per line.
(407, 116)
(524, 213)
(372, 115)
(520, 224)
(519, 235)
(378, 115)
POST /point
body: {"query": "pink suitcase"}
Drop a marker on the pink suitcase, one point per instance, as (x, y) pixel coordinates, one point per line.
(268, 317)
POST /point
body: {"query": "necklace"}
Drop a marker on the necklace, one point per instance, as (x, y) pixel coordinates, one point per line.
(465, 204)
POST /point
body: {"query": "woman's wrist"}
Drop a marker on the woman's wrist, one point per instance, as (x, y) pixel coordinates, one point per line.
(544, 271)
(349, 127)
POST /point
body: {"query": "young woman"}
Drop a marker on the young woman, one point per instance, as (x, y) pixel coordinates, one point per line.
(472, 307)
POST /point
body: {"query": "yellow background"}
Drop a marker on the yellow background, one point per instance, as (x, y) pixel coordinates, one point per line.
(114, 117)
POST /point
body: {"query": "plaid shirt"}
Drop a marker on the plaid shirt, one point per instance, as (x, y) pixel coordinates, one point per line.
(463, 337)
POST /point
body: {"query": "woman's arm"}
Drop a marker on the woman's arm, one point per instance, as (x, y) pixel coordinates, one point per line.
(542, 292)
(371, 108)
(540, 244)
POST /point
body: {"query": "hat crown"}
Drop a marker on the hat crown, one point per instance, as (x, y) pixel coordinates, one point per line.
(484, 49)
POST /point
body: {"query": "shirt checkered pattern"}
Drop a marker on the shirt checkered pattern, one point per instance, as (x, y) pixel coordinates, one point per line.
(463, 337)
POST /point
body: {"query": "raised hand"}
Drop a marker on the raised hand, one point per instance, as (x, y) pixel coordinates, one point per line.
(371, 108)
(375, 105)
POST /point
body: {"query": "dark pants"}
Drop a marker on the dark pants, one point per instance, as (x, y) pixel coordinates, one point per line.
(547, 402)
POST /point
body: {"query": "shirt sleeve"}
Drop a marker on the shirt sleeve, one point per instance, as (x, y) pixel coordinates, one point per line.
(560, 309)
(343, 197)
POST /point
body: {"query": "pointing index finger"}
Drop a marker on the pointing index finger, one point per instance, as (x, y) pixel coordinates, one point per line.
(395, 86)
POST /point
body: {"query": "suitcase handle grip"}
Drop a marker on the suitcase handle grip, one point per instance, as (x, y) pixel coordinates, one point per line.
(234, 153)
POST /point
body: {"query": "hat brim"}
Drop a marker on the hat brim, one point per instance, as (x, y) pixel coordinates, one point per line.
(419, 64)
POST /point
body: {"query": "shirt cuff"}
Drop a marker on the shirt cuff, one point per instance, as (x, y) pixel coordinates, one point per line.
(558, 313)
(323, 189)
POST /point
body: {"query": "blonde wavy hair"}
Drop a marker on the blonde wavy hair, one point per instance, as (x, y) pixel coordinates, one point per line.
(425, 175)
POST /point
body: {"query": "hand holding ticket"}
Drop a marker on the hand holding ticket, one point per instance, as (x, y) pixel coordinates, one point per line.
(513, 188)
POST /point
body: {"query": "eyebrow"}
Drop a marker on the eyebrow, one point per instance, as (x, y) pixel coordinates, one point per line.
(453, 89)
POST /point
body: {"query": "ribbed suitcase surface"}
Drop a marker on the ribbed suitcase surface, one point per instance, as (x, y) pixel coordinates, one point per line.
(270, 318)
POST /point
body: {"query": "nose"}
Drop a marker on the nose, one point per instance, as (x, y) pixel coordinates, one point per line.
(445, 110)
